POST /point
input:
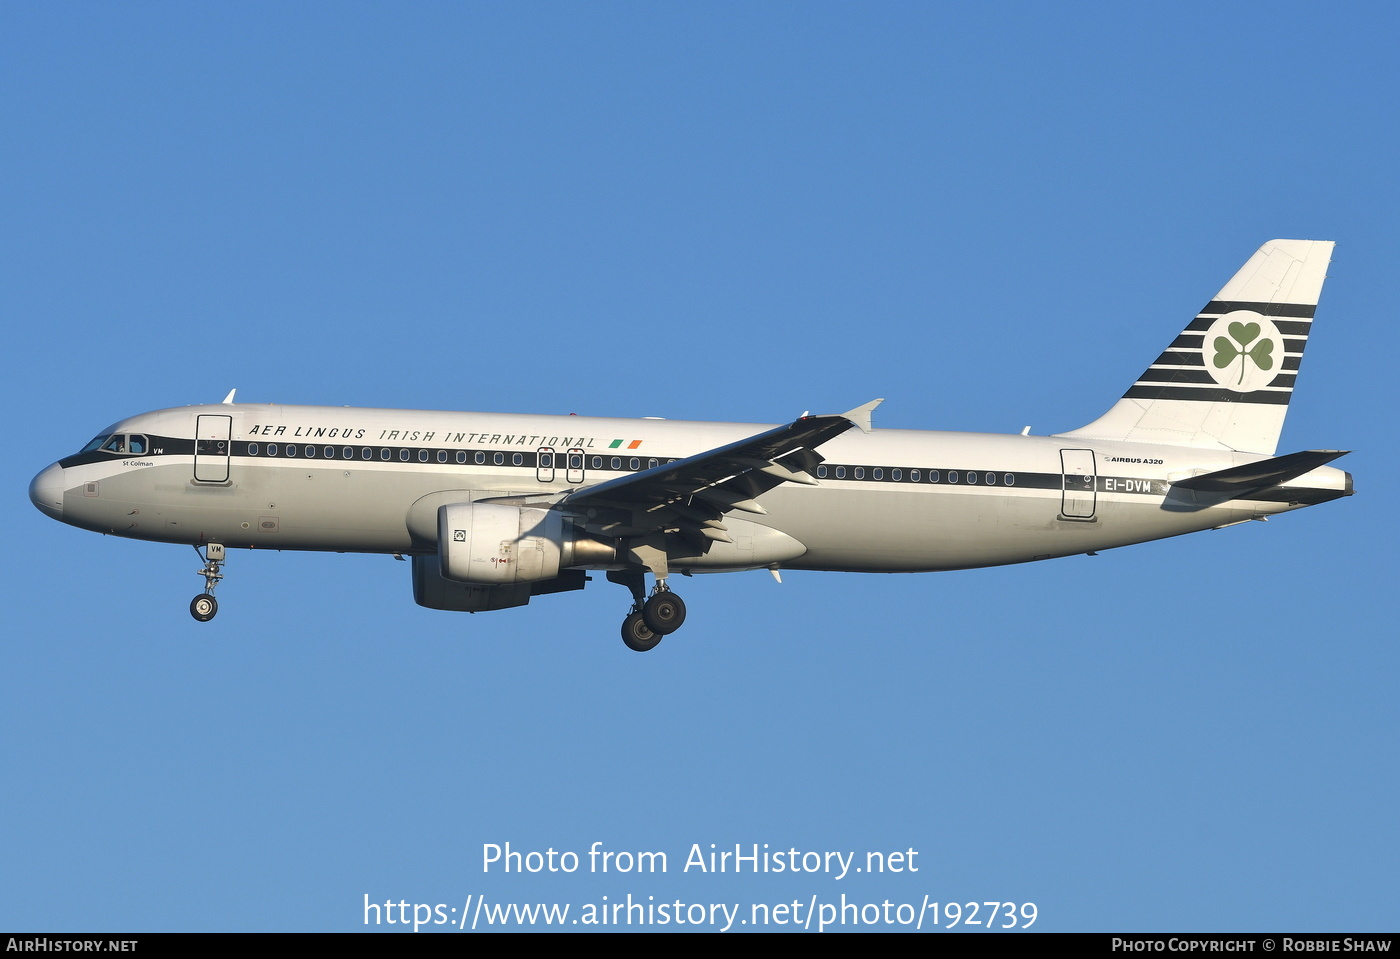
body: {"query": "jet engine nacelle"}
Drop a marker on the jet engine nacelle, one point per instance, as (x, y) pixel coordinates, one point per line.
(496, 545)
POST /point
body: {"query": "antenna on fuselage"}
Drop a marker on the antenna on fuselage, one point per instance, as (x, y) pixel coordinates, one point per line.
(228, 400)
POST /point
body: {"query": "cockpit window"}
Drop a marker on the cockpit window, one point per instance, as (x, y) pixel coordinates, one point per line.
(120, 443)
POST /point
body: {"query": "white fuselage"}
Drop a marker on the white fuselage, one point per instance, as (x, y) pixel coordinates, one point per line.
(371, 480)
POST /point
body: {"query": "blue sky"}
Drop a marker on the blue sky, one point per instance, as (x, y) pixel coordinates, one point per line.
(991, 215)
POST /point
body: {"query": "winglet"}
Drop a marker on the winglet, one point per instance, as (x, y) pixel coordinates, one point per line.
(228, 400)
(860, 416)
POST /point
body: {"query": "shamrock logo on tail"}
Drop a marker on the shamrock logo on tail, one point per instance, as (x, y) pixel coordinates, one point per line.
(1243, 334)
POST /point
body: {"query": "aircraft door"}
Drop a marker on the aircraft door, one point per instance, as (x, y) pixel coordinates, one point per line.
(1079, 484)
(574, 471)
(211, 447)
(544, 464)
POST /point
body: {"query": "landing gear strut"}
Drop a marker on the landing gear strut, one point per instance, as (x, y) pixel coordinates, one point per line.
(204, 606)
(649, 619)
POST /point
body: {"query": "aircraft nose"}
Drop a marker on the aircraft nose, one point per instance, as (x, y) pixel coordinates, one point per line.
(46, 491)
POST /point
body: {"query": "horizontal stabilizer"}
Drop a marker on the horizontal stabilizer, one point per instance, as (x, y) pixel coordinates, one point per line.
(1252, 477)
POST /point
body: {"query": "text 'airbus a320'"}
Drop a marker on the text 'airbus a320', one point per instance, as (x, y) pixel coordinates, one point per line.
(494, 509)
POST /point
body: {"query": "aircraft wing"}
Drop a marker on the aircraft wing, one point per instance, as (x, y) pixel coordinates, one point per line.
(692, 494)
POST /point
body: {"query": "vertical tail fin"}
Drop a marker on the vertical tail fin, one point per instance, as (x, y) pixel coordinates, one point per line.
(1225, 382)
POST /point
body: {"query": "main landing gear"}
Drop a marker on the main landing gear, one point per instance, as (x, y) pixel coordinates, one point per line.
(650, 619)
(204, 606)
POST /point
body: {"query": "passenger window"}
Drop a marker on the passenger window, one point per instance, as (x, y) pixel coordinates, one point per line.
(821, 472)
(878, 473)
(461, 457)
(896, 475)
(403, 456)
(617, 462)
(422, 456)
(480, 458)
(271, 449)
(384, 453)
(366, 453)
(328, 452)
(913, 476)
(311, 451)
(597, 462)
(348, 453)
(634, 463)
(860, 472)
(291, 449)
(840, 472)
(499, 459)
(516, 459)
(1009, 479)
(252, 449)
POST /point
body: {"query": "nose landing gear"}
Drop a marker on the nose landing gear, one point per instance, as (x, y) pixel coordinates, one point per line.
(204, 606)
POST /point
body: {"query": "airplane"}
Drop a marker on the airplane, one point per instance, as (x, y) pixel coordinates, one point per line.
(495, 509)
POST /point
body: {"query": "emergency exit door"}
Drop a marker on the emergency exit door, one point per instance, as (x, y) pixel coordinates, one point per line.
(1078, 484)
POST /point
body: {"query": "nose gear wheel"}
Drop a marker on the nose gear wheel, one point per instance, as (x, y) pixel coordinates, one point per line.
(204, 606)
